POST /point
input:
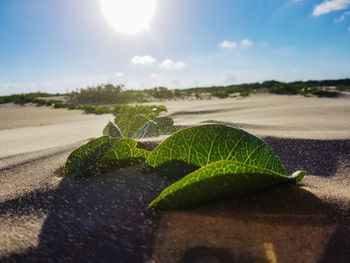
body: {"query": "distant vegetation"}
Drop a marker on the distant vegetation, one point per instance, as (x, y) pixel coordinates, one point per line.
(324, 88)
(112, 94)
(103, 98)
(38, 98)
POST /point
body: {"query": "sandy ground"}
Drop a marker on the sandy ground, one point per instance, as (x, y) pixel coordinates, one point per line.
(271, 115)
(26, 129)
(46, 217)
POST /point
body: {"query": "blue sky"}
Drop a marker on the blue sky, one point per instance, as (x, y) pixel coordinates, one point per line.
(62, 45)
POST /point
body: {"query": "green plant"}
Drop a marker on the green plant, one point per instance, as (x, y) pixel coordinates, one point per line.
(225, 162)
(60, 105)
(131, 118)
(206, 163)
(149, 129)
(165, 125)
(192, 148)
(221, 94)
(325, 94)
(112, 130)
(218, 181)
(103, 154)
(82, 161)
(155, 127)
(122, 153)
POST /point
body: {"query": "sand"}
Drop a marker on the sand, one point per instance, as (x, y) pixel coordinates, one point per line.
(271, 115)
(46, 216)
(29, 128)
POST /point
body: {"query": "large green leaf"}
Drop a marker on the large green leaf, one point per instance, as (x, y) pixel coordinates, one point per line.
(195, 147)
(122, 153)
(83, 159)
(217, 181)
(112, 130)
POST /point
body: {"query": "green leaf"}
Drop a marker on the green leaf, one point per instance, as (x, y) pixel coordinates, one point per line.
(153, 128)
(83, 159)
(165, 125)
(150, 129)
(112, 130)
(122, 153)
(217, 181)
(129, 123)
(195, 147)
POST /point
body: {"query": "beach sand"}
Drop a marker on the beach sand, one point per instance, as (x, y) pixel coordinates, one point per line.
(46, 216)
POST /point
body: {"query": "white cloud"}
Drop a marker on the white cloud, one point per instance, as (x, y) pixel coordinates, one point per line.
(143, 60)
(328, 6)
(153, 75)
(246, 43)
(170, 64)
(226, 44)
(119, 74)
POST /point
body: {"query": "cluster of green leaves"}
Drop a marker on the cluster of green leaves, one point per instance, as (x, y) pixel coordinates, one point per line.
(131, 118)
(214, 162)
(205, 163)
(132, 129)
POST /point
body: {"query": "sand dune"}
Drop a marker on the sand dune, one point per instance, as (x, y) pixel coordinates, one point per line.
(271, 115)
(44, 215)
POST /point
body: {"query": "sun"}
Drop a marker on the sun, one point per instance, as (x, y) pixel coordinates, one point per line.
(129, 16)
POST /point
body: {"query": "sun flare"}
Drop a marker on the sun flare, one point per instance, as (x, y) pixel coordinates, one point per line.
(129, 16)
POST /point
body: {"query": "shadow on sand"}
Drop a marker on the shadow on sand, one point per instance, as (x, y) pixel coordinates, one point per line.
(299, 226)
(100, 219)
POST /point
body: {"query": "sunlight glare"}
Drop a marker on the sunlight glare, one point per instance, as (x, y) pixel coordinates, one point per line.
(129, 16)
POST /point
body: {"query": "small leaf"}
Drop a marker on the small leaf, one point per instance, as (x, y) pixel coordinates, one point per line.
(112, 130)
(150, 129)
(124, 152)
(129, 123)
(217, 181)
(195, 147)
(165, 125)
(83, 159)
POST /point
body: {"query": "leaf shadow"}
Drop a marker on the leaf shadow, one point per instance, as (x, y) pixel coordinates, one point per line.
(241, 226)
(173, 170)
(103, 218)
